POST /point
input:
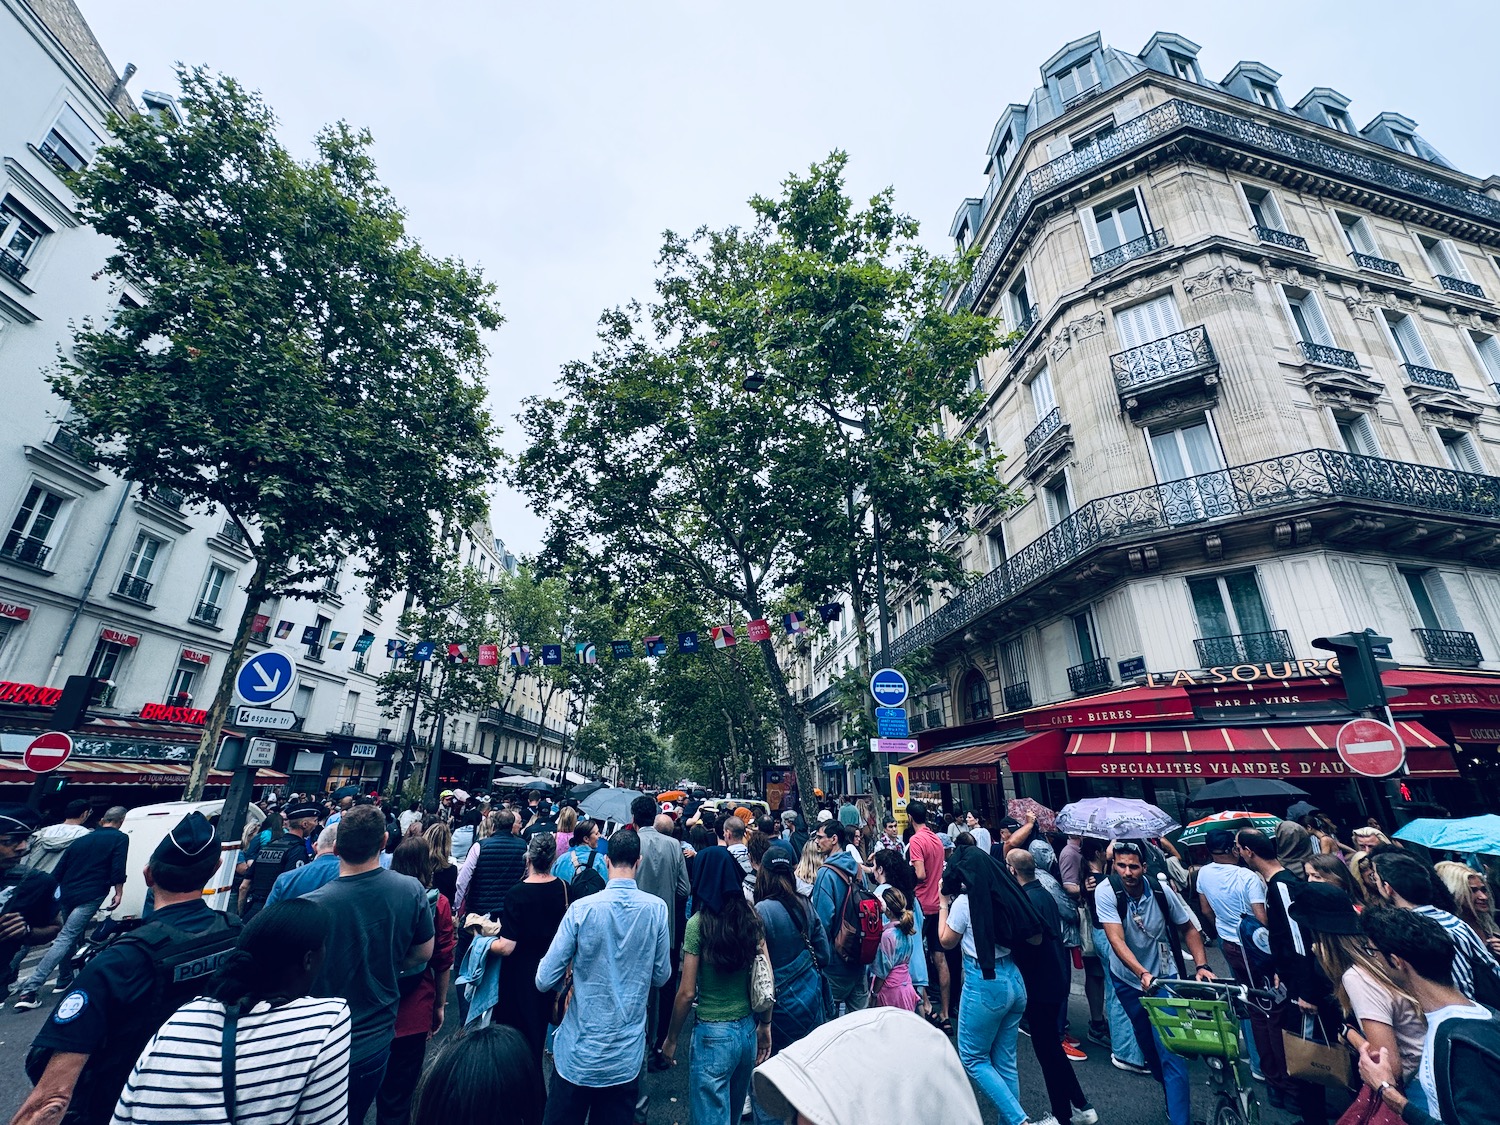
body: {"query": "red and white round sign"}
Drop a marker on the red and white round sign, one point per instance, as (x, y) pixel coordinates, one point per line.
(48, 751)
(1371, 747)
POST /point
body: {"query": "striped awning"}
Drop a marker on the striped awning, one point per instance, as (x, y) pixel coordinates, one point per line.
(1039, 753)
(87, 772)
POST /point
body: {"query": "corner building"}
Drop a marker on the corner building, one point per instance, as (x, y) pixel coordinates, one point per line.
(1251, 400)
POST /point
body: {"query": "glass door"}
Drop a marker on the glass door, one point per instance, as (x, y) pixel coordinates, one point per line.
(1194, 485)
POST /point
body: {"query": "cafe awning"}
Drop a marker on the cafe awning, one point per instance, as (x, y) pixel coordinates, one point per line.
(1290, 752)
(84, 771)
(977, 760)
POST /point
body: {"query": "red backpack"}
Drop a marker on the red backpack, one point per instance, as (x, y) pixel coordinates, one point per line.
(860, 923)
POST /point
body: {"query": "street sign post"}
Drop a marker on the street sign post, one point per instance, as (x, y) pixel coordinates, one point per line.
(889, 688)
(265, 678)
(259, 752)
(263, 718)
(47, 751)
(900, 795)
(1371, 748)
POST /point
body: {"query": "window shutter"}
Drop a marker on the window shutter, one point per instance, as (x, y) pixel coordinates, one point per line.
(1468, 453)
(1129, 108)
(1409, 341)
(1059, 146)
(1489, 354)
(1364, 435)
(1041, 394)
(1150, 320)
(1453, 261)
(1090, 229)
(1363, 239)
(1272, 211)
(1442, 600)
(1317, 324)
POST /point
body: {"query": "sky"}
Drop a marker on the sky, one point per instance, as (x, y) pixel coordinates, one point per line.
(552, 144)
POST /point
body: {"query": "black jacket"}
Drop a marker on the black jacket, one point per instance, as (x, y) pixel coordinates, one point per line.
(999, 910)
(501, 864)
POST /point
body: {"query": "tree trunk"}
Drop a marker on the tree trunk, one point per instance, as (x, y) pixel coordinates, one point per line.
(794, 728)
(208, 742)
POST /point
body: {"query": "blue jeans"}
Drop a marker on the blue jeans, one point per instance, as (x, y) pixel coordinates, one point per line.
(1122, 1042)
(719, 1072)
(988, 1022)
(365, 1077)
(74, 926)
(1168, 1069)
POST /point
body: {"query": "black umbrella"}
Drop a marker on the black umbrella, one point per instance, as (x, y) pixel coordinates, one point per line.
(579, 792)
(1299, 810)
(346, 791)
(1235, 790)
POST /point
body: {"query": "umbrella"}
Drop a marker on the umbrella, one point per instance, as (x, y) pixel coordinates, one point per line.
(1198, 830)
(541, 784)
(671, 795)
(1300, 809)
(345, 791)
(1472, 834)
(1113, 818)
(1019, 807)
(579, 792)
(460, 794)
(1236, 790)
(609, 804)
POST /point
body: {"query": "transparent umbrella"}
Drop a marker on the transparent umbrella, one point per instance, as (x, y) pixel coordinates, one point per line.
(1113, 818)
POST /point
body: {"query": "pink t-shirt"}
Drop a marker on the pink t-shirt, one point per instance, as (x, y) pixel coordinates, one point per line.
(929, 849)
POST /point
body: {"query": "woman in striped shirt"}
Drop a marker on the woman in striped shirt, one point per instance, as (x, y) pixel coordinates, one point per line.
(290, 1050)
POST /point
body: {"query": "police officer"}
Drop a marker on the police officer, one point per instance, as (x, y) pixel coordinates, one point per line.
(83, 1054)
(287, 852)
(28, 898)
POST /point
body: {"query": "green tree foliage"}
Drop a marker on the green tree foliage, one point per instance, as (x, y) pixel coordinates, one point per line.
(656, 460)
(299, 361)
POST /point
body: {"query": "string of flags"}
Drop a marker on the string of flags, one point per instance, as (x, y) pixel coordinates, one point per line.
(584, 652)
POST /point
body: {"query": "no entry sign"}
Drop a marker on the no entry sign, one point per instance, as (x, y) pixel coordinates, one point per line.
(1371, 747)
(47, 751)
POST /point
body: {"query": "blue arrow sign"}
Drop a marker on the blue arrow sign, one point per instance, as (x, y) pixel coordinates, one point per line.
(265, 678)
(889, 688)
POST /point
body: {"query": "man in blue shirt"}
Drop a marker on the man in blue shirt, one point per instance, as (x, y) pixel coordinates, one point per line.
(849, 984)
(305, 879)
(619, 944)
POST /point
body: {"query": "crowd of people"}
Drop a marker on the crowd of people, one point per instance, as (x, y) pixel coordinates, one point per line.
(729, 944)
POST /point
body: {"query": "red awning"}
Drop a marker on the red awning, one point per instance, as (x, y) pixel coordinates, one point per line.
(1444, 691)
(1305, 752)
(1128, 706)
(87, 772)
(1038, 753)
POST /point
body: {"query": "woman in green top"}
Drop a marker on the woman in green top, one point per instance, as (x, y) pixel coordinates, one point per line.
(721, 941)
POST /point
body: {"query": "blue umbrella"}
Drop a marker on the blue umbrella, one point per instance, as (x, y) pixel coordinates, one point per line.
(1474, 834)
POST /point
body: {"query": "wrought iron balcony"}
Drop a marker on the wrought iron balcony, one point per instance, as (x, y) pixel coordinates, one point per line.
(232, 533)
(1162, 361)
(315, 652)
(1312, 476)
(12, 266)
(1430, 377)
(361, 663)
(134, 588)
(1089, 676)
(1379, 265)
(823, 700)
(1018, 696)
(1243, 648)
(1028, 321)
(1449, 647)
(1280, 238)
(206, 614)
(167, 497)
(1049, 425)
(78, 448)
(1083, 96)
(346, 728)
(1135, 248)
(1459, 285)
(1164, 122)
(1325, 355)
(31, 551)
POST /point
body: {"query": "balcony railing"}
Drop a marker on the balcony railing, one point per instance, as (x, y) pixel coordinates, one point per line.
(1171, 357)
(1089, 675)
(12, 266)
(134, 588)
(1430, 377)
(1243, 648)
(78, 448)
(823, 699)
(1325, 355)
(1459, 285)
(315, 652)
(206, 614)
(1135, 248)
(1043, 430)
(231, 533)
(1297, 479)
(32, 552)
(1158, 124)
(1028, 320)
(1280, 238)
(346, 728)
(1450, 647)
(1379, 265)
(361, 663)
(167, 497)
(1018, 696)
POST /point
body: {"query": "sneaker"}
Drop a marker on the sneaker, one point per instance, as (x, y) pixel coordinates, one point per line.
(1088, 1115)
(1072, 1052)
(1023, 1029)
(1257, 1075)
(25, 1001)
(1129, 1068)
(1072, 1041)
(1100, 1034)
(59, 988)
(748, 1110)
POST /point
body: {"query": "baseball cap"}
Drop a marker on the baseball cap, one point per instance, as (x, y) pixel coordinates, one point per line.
(1219, 840)
(824, 814)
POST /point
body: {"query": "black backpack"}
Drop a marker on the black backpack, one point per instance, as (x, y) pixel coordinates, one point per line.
(586, 879)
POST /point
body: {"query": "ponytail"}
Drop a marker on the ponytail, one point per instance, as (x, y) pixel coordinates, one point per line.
(268, 961)
(900, 911)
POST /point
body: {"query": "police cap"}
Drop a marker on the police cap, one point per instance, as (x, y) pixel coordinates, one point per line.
(188, 844)
(19, 820)
(300, 810)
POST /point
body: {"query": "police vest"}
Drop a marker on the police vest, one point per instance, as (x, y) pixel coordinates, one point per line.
(183, 965)
(285, 853)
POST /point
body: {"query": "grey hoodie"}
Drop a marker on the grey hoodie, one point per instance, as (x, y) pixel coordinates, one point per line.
(45, 849)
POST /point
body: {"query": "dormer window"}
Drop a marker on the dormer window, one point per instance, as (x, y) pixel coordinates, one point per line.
(1076, 80)
(1182, 67)
(1405, 142)
(1265, 95)
(1338, 119)
(1002, 153)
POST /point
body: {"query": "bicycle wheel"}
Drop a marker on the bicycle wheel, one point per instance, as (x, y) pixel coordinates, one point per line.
(1227, 1112)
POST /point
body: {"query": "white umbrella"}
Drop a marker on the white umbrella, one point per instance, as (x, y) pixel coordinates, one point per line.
(524, 782)
(1113, 818)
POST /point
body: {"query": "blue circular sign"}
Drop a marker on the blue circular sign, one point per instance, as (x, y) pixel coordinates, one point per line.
(265, 678)
(889, 687)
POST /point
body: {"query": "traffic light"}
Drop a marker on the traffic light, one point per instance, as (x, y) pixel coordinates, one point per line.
(73, 705)
(1360, 667)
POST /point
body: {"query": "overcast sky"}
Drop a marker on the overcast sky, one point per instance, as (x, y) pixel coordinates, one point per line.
(552, 143)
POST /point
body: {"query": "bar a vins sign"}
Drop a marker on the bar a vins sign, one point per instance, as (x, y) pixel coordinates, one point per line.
(1276, 670)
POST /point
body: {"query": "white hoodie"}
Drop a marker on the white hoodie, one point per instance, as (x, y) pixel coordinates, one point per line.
(45, 849)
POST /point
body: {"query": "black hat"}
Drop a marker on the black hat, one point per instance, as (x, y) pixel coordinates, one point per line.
(299, 810)
(1009, 823)
(19, 819)
(188, 844)
(1325, 909)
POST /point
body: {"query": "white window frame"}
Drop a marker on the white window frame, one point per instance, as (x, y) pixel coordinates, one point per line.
(1177, 428)
(1049, 505)
(1486, 344)
(994, 547)
(137, 554)
(1090, 221)
(1319, 321)
(1360, 226)
(59, 521)
(1389, 319)
(1405, 142)
(193, 672)
(1043, 396)
(1265, 96)
(206, 587)
(1084, 64)
(1013, 307)
(13, 215)
(76, 135)
(1268, 204)
(1360, 422)
(1168, 296)
(1470, 458)
(1338, 119)
(1442, 257)
(1236, 626)
(1182, 67)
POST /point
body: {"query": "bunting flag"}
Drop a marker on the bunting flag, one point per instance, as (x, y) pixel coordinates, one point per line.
(552, 654)
(517, 656)
(395, 649)
(687, 642)
(336, 641)
(310, 634)
(283, 630)
(830, 612)
(363, 642)
(458, 654)
(585, 653)
(261, 624)
(655, 646)
(723, 636)
(794, 622)
(758, 630)
(423, 651)
(489, 656)
(621, 650)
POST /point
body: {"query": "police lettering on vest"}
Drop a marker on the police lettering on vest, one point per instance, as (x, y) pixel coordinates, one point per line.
(285, 853)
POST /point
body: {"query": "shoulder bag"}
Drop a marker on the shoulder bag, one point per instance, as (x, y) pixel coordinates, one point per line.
(762, 982)
(1312, 1058)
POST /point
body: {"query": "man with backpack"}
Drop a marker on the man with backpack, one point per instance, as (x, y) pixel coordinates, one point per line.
(847, 913)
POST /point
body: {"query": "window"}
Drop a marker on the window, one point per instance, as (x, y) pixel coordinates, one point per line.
(1264, 210)
(1307, 316)
(1147, 321)
(995, 546)
(1357, 433)
(136, 581)
(351, 706)
(28, 540)
(211, 595)
(1117, 222)
(1187, 463)
(302, 701)
(1408, 340)
(1042, 397)
(1429, 594)
(1443, 258)
(1405, 142)
(1229, 605)
(71, 142)
(977, 695)
(1265, 95)
(1091, 134)
(1358, 235)
(1057, 499)
(1019, 296)
(1078, 79)
(20, 231)
(1488, 349)
(1182, 67)
(1002, 153)
(1462, 452)
(1013, 662)
(108, 660)
(982, 437)
(180, 694)
(1084, 637)
(1338, 119)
